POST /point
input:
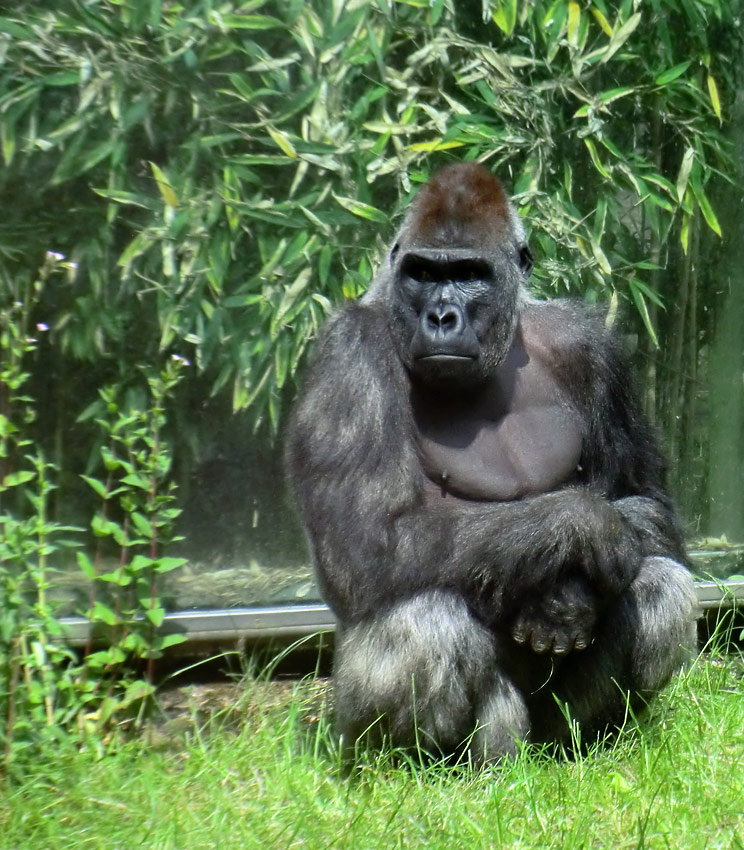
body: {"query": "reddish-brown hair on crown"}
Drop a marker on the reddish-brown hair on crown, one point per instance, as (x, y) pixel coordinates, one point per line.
(463, 205)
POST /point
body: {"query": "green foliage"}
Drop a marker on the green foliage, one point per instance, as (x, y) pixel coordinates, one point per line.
(221, 172)
(137, 516)
(45, 690)
(34, 663)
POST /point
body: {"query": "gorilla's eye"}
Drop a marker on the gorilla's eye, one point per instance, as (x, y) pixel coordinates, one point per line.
(420, 269)
(471, 270)
(427, 270)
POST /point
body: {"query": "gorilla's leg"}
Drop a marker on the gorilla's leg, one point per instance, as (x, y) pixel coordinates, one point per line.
(639, 643)
(423, 674)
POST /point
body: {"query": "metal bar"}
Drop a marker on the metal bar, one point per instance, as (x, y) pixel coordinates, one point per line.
(228, 623)
(720, 595)
(295, 621)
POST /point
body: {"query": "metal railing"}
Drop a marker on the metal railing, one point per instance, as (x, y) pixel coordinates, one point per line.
(296, 621)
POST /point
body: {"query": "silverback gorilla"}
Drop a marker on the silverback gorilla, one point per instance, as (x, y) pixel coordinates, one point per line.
(484, 498)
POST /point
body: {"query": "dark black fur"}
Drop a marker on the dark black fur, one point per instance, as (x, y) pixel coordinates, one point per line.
(471, 617)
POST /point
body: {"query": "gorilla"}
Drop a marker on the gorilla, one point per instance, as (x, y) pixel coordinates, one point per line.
(484, 499)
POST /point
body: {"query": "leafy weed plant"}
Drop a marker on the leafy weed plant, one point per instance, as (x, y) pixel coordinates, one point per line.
(46, 691)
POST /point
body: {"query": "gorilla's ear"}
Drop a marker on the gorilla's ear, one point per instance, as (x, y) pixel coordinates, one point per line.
(526, 260)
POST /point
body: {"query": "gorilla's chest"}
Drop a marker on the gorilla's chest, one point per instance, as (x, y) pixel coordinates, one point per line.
(515, 437)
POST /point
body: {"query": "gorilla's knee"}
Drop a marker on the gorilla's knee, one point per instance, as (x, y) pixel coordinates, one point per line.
(663, 607)
(424, 674)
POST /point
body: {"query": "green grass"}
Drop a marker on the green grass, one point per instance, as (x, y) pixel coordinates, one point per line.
(262, 774)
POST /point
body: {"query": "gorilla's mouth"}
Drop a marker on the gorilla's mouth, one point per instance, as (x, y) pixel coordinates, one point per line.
(445, 358)
(446, 369)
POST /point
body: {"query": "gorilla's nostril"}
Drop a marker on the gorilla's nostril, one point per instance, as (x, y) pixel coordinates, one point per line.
(449, 320)
(432, 321)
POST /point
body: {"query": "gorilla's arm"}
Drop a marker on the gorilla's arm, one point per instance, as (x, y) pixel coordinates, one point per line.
(621, 462)
(359, 484)
(621, 457)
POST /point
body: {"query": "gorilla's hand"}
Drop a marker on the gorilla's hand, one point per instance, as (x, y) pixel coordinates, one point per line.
(559, 621)
(584, 534)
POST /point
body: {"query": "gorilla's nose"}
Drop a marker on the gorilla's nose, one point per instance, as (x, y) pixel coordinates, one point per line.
(443, 320)
(443, 332)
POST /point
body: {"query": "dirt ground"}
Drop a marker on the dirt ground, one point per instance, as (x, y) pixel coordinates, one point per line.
(226, 701)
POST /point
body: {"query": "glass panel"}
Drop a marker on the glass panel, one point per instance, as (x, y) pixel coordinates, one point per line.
(701, 405)
(214, 202)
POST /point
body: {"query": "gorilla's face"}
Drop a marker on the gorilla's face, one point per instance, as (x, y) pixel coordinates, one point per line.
(455, 310)
(456, 279)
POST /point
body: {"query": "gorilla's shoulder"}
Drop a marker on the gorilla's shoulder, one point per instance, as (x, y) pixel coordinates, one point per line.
(566, 325)
(356, 322)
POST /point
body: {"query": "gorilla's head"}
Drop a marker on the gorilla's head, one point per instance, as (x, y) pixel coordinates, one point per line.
(457, 278)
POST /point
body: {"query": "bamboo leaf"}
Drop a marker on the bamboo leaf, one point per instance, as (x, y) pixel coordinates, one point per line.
(705, 208)
(138, 246)
(600, 257)
(602, 21)
(684, 173)
(385, 127)
(714, 98)
(246, 22)
(244, 396)
(362, 210)
(611, 317)
(436, 145)
(592, 148)
(600, 216)
(63, 78)
(620, 36)
(672, 73)
(614, 94)
(281, 361)
(662, 182)
(166, 190)
(282, 142)
(121, 197)
(642, 307)
(291, 294)
(505, 16)
(684, 233)
(554, 20)
(8, 139)
(648, 292)
(16, 30)
(574, 21)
